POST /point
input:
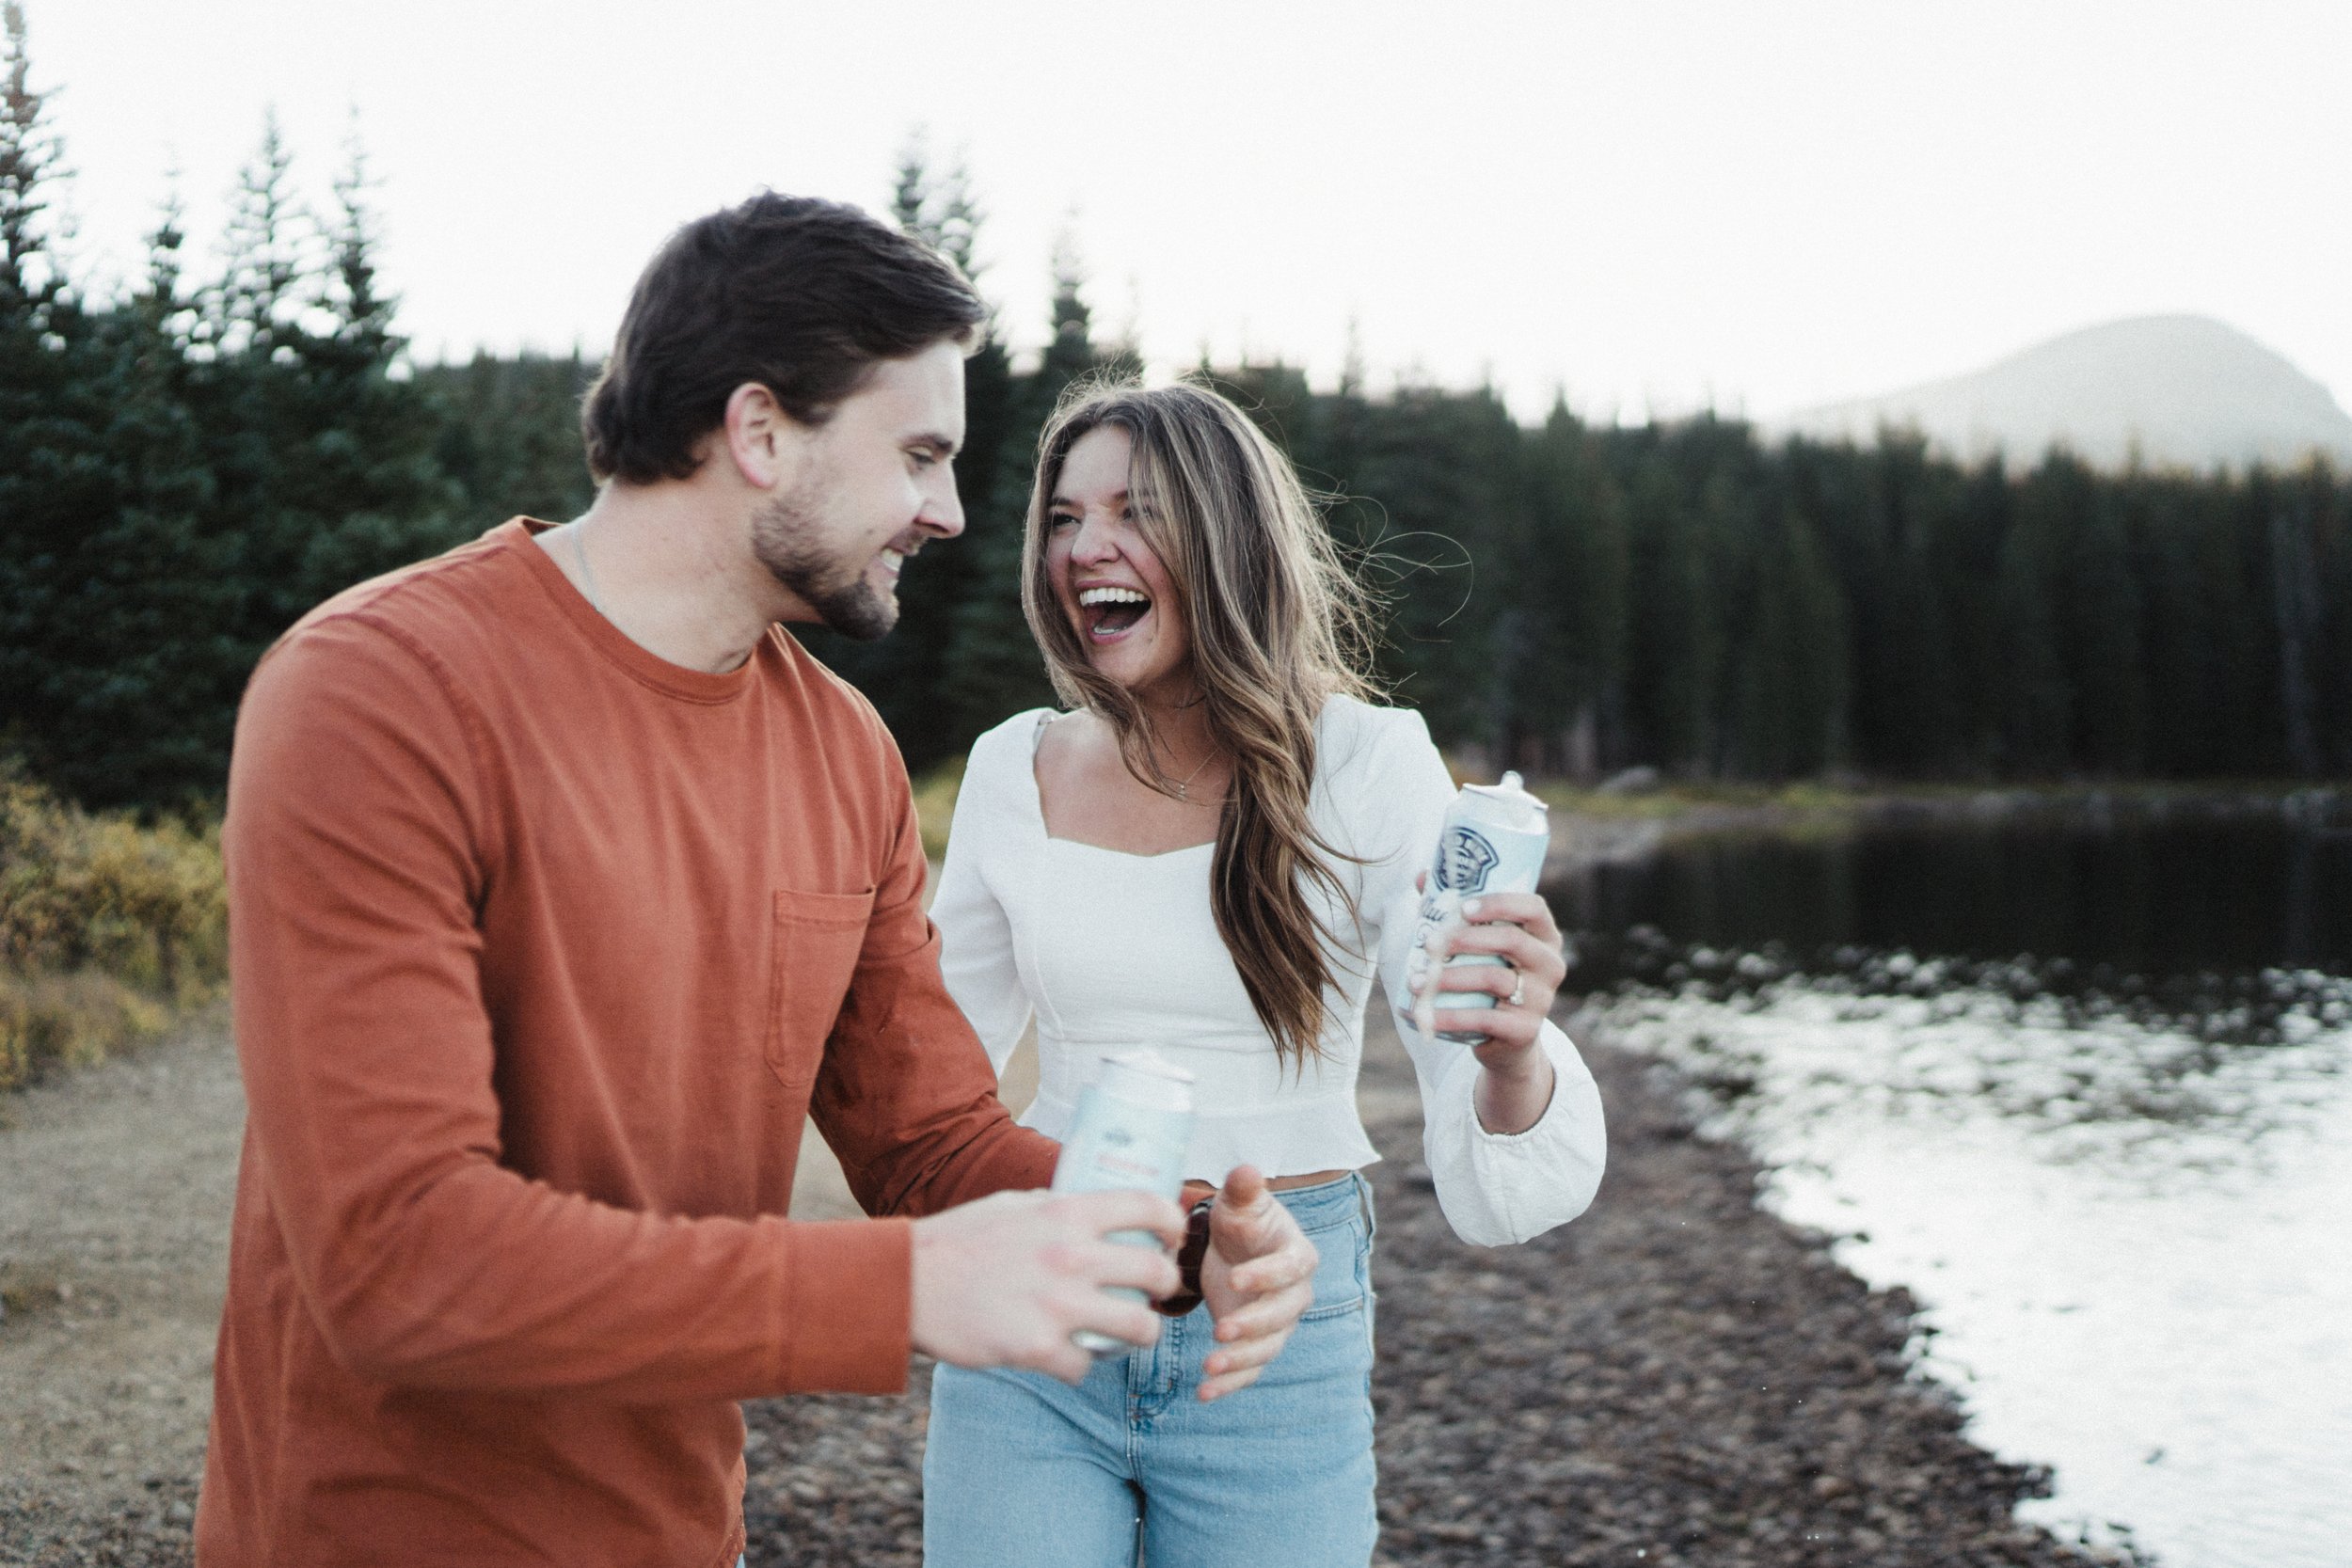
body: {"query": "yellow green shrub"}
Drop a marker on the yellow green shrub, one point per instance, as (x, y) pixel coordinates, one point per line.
(145, 904)
(936, 804)
(52, 1020)
(105, 924)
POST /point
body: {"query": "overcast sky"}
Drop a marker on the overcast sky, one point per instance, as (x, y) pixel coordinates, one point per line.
(1653, 205)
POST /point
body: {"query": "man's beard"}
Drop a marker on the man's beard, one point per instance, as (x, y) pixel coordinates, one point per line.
(785, 537)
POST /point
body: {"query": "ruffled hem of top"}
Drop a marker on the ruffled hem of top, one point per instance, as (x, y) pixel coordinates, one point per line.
(1291, 1140)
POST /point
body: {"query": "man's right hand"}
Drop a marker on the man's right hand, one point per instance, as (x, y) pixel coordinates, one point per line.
(1006, 1281)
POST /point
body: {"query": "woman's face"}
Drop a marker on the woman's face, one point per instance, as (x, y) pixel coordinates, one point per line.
(1109, 582)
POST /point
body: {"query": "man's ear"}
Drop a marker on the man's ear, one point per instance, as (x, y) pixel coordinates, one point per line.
(764, 442)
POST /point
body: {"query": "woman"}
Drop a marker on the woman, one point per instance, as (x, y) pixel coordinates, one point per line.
(1214, 854)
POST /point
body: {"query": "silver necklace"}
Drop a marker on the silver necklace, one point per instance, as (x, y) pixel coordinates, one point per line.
(1183, 789)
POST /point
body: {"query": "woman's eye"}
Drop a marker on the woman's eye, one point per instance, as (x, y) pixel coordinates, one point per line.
(1060, 519)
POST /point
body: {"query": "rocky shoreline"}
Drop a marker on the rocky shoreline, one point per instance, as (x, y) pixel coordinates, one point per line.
(1677, 1378)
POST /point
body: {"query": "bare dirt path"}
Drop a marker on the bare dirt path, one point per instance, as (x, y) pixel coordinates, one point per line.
(115, 1186)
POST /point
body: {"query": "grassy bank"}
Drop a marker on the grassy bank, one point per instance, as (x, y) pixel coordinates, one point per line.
(1675, 800)
(107, 928)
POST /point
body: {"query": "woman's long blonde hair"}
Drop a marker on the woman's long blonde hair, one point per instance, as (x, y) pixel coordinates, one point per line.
(1277, 628)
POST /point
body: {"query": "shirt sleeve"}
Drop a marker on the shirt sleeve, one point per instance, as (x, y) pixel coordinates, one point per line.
(907, 1099)
(358, 849)
(1495, 1189)
(976, 935)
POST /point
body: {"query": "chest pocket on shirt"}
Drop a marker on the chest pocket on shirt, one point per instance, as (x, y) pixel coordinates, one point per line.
(811, 956)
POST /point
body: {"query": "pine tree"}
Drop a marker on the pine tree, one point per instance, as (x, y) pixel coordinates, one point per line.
(1787, 702)
(256, 306)
(1576, 572)
(1677, 636)
(907, 674)
(992, 667)
(2328, 500)
(368, 471)
(328, 471)
(2037, 698)
(508, 435)
(158, 675)
(54, 481)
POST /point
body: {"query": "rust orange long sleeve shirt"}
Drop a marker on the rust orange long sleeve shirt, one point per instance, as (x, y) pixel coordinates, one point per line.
(541, 950)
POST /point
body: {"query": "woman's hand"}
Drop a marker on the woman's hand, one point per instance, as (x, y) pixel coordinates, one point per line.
(1258, 1277)
(1519, 929)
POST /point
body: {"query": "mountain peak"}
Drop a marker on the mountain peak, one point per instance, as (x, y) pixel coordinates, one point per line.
(2176, 391)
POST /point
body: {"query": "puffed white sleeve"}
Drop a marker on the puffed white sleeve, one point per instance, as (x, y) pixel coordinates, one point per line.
(976, 956)
(1494, 1188)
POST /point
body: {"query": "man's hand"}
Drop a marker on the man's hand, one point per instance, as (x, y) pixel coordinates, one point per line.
(1257, 1278)
(1006, 1281)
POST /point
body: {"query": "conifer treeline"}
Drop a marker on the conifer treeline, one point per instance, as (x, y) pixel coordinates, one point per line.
(185, 470)
(1574, 599)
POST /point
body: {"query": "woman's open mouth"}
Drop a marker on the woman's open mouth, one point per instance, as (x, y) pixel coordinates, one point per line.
(1110, 613)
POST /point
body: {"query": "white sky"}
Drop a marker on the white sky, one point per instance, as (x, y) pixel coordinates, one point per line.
(1656, 205)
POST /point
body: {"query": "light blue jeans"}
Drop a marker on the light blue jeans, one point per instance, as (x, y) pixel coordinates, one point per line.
(1023, 1471)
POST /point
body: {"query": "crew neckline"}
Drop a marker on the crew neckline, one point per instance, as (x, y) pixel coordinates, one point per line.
(1037, 807)
(521, 535)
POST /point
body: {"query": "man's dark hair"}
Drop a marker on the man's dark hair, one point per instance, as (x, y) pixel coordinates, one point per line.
(800, 295)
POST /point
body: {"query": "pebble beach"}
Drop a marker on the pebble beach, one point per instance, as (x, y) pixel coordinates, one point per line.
(1677, 1378)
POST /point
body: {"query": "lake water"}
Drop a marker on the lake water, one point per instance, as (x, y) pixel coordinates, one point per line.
(2084, 1085)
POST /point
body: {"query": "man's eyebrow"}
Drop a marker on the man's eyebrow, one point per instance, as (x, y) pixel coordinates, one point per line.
(938, 441)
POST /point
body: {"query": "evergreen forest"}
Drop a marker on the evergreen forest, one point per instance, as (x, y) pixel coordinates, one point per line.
(188, 464)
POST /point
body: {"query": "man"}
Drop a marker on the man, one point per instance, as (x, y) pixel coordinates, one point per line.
(562, 887)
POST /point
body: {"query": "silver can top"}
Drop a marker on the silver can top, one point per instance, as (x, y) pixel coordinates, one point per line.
(1505, 804)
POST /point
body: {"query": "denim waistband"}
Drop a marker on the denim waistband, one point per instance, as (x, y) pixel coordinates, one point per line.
(1327, 1205)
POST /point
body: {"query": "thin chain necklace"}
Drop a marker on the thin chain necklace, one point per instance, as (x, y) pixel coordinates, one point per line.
(1183, 789)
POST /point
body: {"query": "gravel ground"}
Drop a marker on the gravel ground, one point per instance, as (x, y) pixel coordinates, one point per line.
(1677, 1378)
(115, 1186)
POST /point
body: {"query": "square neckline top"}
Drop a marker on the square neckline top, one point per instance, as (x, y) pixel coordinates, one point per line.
(1037, 810)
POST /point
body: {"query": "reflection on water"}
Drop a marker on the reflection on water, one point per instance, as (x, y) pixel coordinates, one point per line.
(2163, 898)
(2146, 1101)
(2110, 1146)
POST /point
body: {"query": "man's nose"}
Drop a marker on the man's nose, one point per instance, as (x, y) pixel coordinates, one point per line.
(942, 514)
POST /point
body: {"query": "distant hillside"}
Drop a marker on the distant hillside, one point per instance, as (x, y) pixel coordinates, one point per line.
(2184, 391)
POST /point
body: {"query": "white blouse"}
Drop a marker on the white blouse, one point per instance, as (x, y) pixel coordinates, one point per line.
(1110, 951)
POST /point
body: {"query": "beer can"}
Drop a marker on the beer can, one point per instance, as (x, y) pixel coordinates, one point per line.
(1494, 840)
(1131, 1127)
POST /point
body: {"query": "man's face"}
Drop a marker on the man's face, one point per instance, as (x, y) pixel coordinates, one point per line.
(876, 483)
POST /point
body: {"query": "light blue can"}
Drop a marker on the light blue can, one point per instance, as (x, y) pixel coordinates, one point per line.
(1131, 1127)
(1494, 840)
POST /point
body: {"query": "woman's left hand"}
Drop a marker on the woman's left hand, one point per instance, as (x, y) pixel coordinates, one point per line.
(1519, 929)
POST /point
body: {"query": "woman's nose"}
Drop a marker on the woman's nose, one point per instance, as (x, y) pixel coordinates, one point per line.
(1096, 542)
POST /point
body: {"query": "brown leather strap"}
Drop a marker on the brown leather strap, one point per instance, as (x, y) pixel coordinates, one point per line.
(1189, 1260)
